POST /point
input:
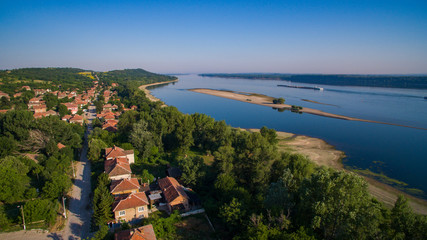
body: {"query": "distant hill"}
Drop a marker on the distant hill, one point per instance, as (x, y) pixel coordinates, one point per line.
(388, 81)
(133, 75)
(67, 78)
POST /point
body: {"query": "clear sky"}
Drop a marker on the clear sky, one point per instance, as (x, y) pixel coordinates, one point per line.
(342, 36)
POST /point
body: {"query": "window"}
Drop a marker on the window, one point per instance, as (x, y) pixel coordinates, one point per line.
(140, 209)
(122, 213)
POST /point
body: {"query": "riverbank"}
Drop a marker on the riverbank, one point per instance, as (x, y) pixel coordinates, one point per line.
(324, 154)
(267, 101)
(148, 93)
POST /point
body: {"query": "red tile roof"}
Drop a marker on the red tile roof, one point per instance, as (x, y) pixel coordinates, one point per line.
(124, 185)
(117, 166)
(133, 200)
(171, 189)
(142, 233)
(60, 146)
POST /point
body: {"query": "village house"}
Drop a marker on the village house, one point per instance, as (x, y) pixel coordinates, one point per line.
(124, 186)
(130, 207)
(26, 88)
(116, 152)
(66, 118)
(60, 146)
(142, 233)
(72, 107)
(110, 127)
(117, 168)
(174, 194)
(39, 108)
(45, 114)
(17, 95)
(76, 119)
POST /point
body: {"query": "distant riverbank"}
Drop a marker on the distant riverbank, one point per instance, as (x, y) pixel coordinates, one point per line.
(148, 93)
(267, 101)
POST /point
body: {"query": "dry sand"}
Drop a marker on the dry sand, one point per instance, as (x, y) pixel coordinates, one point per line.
(267, 101)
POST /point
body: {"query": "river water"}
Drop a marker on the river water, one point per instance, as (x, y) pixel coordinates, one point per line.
(397, 152)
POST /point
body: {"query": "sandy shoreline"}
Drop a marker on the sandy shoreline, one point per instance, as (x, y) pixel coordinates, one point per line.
(324, 154)
(148, 93)
(263, 100)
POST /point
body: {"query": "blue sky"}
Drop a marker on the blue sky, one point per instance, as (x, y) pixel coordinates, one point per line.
(343, 36)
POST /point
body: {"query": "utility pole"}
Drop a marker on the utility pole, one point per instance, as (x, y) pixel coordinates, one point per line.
(63, 204)
(72, 167)
(23, 218)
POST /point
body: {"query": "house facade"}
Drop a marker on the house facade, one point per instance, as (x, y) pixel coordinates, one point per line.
(130, 207)
(174, 194)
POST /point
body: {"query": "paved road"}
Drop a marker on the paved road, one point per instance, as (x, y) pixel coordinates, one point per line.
(79, 214)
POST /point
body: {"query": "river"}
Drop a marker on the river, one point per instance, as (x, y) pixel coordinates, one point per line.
(397, 152)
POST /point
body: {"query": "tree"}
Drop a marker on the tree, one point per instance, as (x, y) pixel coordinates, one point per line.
(142, 139)
(102, 201)
(146, 177)
(403, 219)
(191, 169)
(338, 205)
(232, 213)
(50, 100)
(95, 147)
(56, 186)
(40, 209)
(62, 110)
(14, 179)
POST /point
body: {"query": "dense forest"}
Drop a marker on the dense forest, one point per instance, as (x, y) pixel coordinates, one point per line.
(390, 81)
(249, 189)
(45, 78)
(139, 76)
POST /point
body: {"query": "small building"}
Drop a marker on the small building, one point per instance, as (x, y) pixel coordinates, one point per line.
(39, 108)
(117, 168)
(124, 186)
(76, 119)
(60, 146)
(142, 233)
(115, 152)
(72, 107)
(174, 194)
(130, 207)
(66, 118)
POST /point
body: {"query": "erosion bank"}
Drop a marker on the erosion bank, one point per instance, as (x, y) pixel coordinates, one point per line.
(263, 100)
(148, 93)
(324, 154)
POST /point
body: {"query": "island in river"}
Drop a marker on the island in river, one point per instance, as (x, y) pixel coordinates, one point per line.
(267, 101)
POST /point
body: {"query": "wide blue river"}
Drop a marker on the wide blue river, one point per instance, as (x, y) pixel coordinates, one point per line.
(397, 152)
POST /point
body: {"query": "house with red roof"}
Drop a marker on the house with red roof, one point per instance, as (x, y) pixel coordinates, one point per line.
(76, 119)
(174, 194)
(142, 233)
(60, 146)
(124, 186)
(118, 168)
(39, 108)
(116, 152)
(72, 107)
(130, 207)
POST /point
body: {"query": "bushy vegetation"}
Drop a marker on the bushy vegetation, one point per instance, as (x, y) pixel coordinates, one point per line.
(37, 184)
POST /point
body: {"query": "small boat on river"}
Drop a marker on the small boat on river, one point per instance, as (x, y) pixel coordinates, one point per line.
(301, 87)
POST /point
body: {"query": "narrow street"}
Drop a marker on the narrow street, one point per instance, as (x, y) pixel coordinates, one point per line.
(78, 224)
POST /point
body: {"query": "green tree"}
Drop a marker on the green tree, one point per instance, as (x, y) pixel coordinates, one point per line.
(13, 180)
(40, 209)
(191, 169)
(57, 185)
(62, 110)
(50, 100)
(142, 139)
(146, 177)
(232, 213)
(95, 147)
(102, 201)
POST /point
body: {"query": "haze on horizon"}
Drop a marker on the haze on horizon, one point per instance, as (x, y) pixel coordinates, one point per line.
(354, 37)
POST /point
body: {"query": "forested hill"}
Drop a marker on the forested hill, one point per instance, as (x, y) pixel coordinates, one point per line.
(133, 75)
(390, 81)
(68, 78)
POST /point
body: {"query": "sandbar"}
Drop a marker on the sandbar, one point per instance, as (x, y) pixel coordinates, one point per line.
(264, 100)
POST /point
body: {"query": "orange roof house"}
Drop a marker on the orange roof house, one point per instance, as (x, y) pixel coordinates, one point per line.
(76, 119)
(142, 233)
(60, 146)
(115, 152)
(72, 107)
(117, 168)
(174, 194)
(124, 186)
(132, 206)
